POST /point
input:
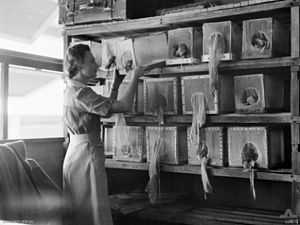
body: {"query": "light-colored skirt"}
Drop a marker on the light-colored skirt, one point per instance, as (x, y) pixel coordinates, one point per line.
(85, 182)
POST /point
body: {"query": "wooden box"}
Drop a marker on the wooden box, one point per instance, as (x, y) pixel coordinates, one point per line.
(264, 38)
(122, 50)
(213, 139)
(161, 92)
(84, 11)
(268, 143)
(138, 102)
(257, 93)
(222, 102)
(232, 35)
(108, 141)
(174, 149)
(134, 150)
(153, 47)
(184, 46)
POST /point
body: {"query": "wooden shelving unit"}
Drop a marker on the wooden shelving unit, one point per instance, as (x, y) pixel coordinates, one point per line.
(291, 119)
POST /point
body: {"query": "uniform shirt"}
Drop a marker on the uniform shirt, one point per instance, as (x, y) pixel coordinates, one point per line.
(83, 108)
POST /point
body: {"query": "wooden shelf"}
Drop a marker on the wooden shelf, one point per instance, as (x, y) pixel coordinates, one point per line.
(277, 118)
(296, 119)
(283, 175)
(150, 24)
(183, 214)
(229, 66)
(113, 164)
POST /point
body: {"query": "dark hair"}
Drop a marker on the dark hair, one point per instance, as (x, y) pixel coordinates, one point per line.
(74, 58)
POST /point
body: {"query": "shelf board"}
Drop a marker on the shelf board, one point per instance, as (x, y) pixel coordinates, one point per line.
(117, 28)
(283, 175)
(296, 119)
(277, 118)
(113, 164)
(149, 24)
(183, 214)
(228, 66)
(197, 15)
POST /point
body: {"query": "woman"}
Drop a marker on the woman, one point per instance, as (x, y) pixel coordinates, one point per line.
(84, 175)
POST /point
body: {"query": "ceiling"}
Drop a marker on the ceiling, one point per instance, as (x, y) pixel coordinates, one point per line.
(25, 20)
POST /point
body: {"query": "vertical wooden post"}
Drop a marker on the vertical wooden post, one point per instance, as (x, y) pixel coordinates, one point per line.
(294, 100)
(295, 138)
(3, 100)
(295, 32)
(66, 40)
(62, 11)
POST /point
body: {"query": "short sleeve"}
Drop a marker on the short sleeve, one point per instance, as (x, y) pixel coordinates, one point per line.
(91, 102)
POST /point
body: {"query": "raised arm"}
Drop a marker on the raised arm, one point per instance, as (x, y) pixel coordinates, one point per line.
(87, 100)
(126, 101)
(117, 80)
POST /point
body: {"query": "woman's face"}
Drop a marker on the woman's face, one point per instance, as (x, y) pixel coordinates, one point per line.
(89, 67)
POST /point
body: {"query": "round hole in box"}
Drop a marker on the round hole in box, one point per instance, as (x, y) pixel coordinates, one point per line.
(249, 96)
(181, 50)
(260, 40)
(249, 153)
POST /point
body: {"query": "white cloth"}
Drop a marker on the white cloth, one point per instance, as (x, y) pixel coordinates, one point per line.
(85, 181)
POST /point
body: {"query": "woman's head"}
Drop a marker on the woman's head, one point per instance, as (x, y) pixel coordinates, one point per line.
(79, 59)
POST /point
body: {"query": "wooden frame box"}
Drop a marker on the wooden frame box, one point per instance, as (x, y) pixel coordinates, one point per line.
(83, 11)
(161, 92)
(214, 142)
(135, 151)
(109, 50)
(125, 56)
(184, 46)
(233, 39)
(122, 50)
(222, 102)
(138, 102)
(267, 142)
(174, 149)
(264, 38)
(258, 93)
(153, 47)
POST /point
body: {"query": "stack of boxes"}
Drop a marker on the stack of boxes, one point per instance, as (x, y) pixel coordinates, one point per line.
(243, 92)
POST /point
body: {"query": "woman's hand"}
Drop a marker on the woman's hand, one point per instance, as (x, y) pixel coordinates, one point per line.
(154, 64)
(140, 70)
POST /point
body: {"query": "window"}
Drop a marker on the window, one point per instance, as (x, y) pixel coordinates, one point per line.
(35, 103)
(1, 102)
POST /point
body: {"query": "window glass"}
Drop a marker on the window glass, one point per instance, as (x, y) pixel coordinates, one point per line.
(35, 103)
(1, 109)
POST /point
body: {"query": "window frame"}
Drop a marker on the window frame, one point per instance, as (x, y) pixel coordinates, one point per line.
(7, 58)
